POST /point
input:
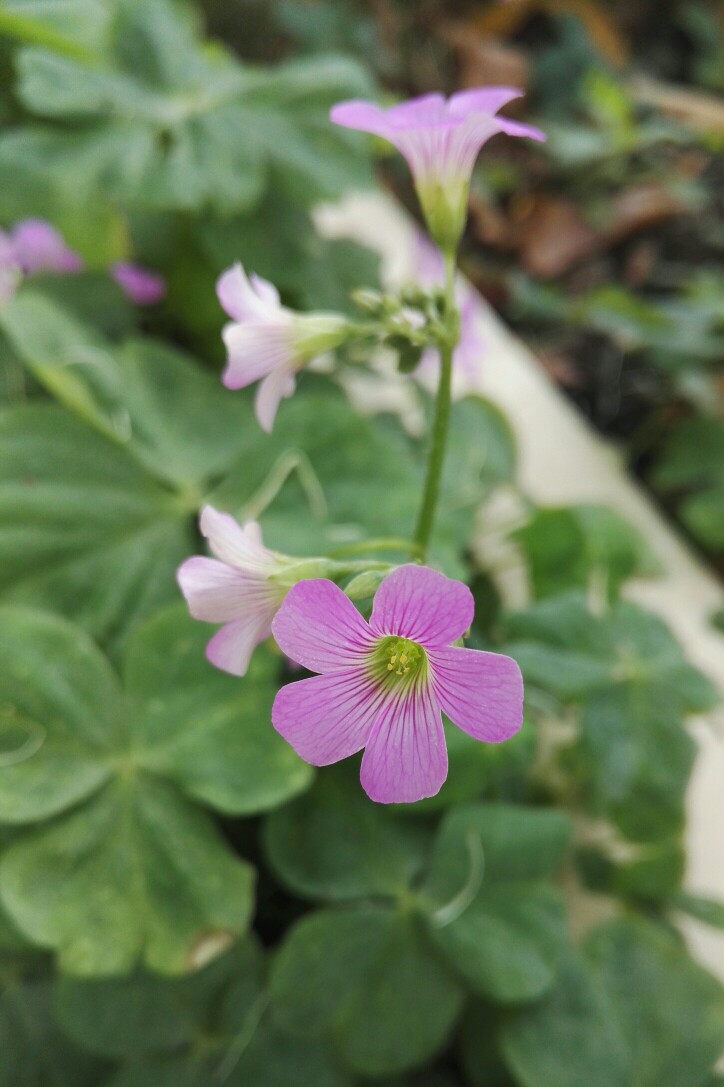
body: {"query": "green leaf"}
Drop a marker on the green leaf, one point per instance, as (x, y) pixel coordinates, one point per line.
(96, 528)
(332, 843)
(368, 489)
(171, 889)
(365, 977)
(708, 910)
(507, 935)
(480, 1047)
(35, 1051)
(633, 1011)
(156, 1025)
(693, 454)
(70, 359)
(137, 873)
(188, 126)
(703, 515)
(582, 545)
(85, 530)
(202, 728)
(61, 714)
(627, 672)
(173, 417)
(268, 1059)
(146, 1014)
(67, 26)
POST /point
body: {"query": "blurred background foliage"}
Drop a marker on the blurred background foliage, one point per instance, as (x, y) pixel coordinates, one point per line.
(182, 901)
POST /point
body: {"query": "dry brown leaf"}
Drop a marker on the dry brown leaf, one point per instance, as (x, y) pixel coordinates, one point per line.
(486, 61)
(507, 16)
(640, 207)
(554, 236)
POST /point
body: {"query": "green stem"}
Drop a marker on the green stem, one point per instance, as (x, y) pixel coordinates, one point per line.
(436, 456)
(361, 547)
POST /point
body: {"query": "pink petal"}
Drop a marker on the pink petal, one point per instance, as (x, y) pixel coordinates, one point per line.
(482, 100)
(277, 386)
(255, 349)
(237, 546)
(246, 298)
(319, 627)
(481, 693)
(218, 593)
(405, 757)
(515, 128)
(231, 648)
(39, 247)
(427, 110)
(142, 286)
(420, 604)
(327, 718)
(360, 115)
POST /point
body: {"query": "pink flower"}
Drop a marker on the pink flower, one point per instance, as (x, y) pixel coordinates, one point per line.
(268, 342)
(440, 138)
(383, 686)
(142, 286)
(39, 247)
(236, 588)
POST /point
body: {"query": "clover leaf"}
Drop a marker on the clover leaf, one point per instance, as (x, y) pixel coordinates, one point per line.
(131, 870)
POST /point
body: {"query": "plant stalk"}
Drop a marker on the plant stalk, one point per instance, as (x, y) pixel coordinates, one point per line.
(436, 456)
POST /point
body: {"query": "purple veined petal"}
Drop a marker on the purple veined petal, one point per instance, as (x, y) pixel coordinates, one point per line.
(426, 109)
(236, 545)
(319, 627)
(231, 648)
(246, 298)
(405, 756)
(327, 718)
(276, 386)
(39, 247)
(218, 593)
(141, 285)
(515, 128)
(255, 349)
(423, 605)
(482, 100)
(360, 115)
(481, 693)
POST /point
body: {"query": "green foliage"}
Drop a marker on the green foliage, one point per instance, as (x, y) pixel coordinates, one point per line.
(171, 122)
(582, 546)
(332, 844)
(691, 467)
(507, 940)
(632, 1009)
(172, 889)
(626, 674)
(149, 813)
(366, 978)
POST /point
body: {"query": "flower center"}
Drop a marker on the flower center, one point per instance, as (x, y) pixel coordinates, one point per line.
(398, 660)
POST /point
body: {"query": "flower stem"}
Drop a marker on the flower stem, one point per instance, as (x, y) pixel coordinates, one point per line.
(436, 456)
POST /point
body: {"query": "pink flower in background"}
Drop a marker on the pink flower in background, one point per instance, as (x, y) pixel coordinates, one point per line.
(441, 139)
(267, 342)
(39, 247)
(384, 684)
(142, 286)
(235, 589)
(430, 270)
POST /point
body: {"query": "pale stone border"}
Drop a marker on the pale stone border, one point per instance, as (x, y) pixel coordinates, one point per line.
(562, 460)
